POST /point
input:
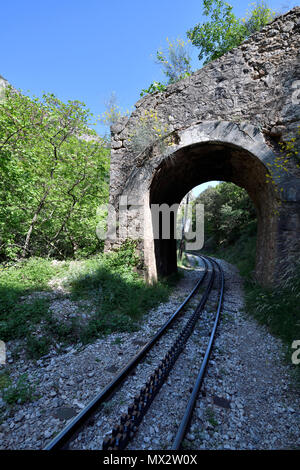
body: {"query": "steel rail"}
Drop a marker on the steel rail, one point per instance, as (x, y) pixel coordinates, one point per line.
(69, 432)
(130, 421)
(191, 404)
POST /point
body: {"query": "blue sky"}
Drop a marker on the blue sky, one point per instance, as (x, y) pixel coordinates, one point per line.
(88, 49)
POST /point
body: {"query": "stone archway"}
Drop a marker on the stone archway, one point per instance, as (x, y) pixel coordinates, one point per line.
(226, 120)
(218, 151)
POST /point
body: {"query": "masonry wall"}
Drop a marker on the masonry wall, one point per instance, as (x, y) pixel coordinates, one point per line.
(254, 84)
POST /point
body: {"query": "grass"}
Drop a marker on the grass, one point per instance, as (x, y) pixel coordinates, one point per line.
(34, 273)
(241, 253)
(210, 415)
(122, 295)
(5, 380)
(278, 308)
(183, 262)
(37, 347)
(118, 341)
(18, 316)
(109, 282)
(20, 392)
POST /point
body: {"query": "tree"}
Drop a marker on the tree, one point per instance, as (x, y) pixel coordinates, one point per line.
(53, 175)
(225, 31)
(228, 211)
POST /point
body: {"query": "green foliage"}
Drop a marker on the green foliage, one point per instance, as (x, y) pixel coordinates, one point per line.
(37, 347)
(278, 309)
(184, 261)
(210, 414)
(21, 392)
(29, 275)
(228, 211)
(258, 17)
(5, 380)
(214, 38)
(123, 296)
(289, 149)
(17, 316)
(53, 175)
(225, 31)
(230, 226)
(118, 298)
(283, 163)
(16, 322)
(175, 60)
(176, 65)
(153, 88)
(241, 253)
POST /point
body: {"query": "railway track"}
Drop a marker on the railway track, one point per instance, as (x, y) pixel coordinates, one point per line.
(126, 429)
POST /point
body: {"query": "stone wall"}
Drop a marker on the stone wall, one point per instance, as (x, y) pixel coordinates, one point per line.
(245, 101)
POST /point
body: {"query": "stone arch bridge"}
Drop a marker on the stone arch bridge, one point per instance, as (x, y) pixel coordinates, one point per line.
(224, 122)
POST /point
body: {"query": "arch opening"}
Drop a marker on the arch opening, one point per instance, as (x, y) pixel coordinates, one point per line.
(198, 163)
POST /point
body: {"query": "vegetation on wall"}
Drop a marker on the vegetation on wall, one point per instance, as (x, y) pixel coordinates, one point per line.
(287, 159)
(113, 111)
(175, 62)
(221, 33)
(224, 30)
(150, 131)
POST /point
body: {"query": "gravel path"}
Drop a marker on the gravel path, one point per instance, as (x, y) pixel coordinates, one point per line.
(246, 401)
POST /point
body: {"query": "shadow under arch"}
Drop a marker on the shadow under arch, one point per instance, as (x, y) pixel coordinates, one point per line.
(197, 163)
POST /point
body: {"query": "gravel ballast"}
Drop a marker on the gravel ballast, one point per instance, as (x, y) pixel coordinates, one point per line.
(247, 400)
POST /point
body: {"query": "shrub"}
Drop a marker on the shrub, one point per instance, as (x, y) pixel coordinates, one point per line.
(22, 392)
